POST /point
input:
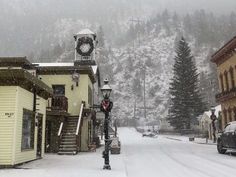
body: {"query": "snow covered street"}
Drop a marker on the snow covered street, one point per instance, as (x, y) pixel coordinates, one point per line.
(140, 157)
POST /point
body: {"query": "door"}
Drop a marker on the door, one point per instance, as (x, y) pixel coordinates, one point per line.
(39, 139)
(225, 136)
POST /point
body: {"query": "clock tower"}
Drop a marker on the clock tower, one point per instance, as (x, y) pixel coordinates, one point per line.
(85, 45)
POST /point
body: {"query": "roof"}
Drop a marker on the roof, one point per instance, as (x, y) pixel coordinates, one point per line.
(54, 64)
(15, 62)
(225, 52)
(22, 78)
(85, 31)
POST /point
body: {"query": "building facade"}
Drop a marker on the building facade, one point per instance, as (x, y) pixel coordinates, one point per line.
(225, 59)
(23, 100)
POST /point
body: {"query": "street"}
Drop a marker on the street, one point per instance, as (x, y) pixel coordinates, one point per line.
(140, 157)
(162, 157)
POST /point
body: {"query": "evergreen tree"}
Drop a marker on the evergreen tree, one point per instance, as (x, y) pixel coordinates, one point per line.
(185, 103)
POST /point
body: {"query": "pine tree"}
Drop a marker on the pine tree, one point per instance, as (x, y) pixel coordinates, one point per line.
(185, 103)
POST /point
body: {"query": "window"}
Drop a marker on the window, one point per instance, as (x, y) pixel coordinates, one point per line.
(28, 127)
(58, 89)
(221, 83)
(230, 114)
(226, 80)
(231, 71)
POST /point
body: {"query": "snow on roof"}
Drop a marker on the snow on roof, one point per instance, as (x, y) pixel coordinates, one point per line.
(54, 64)
(85, 31)
(95, 68)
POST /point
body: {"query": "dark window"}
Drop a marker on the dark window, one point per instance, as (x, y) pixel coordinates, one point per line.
(222, 83)
(58, 89)
(28, 127)
(230, 115)
(231, 71)
(226, 80)
(234, 110)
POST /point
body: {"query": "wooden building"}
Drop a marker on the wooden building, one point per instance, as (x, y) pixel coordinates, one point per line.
(70, 117)
(23, 100)
(46, 107)
(225, 59)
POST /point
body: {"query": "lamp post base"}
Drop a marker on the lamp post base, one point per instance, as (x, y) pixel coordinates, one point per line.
(106, 167)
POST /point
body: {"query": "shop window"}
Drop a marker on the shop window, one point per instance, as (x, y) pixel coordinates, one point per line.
(28, 128)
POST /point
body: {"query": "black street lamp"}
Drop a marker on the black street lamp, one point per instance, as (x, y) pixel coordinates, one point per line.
(106, 106)
(213, 118)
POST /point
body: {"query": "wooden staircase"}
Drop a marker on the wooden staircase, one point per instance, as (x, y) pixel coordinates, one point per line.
(68, 143)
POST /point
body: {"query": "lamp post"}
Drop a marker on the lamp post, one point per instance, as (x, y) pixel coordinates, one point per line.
(106, 106)
(213, 118)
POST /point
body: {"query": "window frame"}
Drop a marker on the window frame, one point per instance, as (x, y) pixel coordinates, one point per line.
(59, 85)
(28, 133)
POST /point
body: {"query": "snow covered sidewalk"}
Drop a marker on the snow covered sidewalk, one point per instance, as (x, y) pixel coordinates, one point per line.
(164, 156)
(186, 139)
(81, 165)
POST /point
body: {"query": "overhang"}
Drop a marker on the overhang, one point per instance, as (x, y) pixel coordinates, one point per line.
(22, 78)
(15, 62)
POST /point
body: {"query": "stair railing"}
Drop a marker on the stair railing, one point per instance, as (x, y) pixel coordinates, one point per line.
(59, 134)
(78, 124)
(60, 129)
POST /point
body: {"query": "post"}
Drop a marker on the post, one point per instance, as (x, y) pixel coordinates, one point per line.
(107, 142)
(106, 106)
(213, 118)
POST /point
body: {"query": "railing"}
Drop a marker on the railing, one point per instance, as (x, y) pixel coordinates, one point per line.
(78, 125)
(226, 95)
(59, 134)
(59, 103)
(80, 117)
(60, 129)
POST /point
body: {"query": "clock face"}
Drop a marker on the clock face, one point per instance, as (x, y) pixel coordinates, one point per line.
(85, 47)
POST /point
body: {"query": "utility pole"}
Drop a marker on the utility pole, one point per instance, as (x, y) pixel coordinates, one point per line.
(138, 21)
(135, 108)
(144, 91)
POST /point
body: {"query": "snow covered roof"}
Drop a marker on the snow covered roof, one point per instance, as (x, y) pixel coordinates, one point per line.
(54, 64)
(85, 31)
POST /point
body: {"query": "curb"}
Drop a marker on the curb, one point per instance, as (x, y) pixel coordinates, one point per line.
(173, 139)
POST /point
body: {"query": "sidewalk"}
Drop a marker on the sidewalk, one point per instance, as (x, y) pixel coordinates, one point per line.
(186, 139)
(82, 165)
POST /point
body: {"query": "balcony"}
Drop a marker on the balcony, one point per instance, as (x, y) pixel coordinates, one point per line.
(58, 104)
(226, 95)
